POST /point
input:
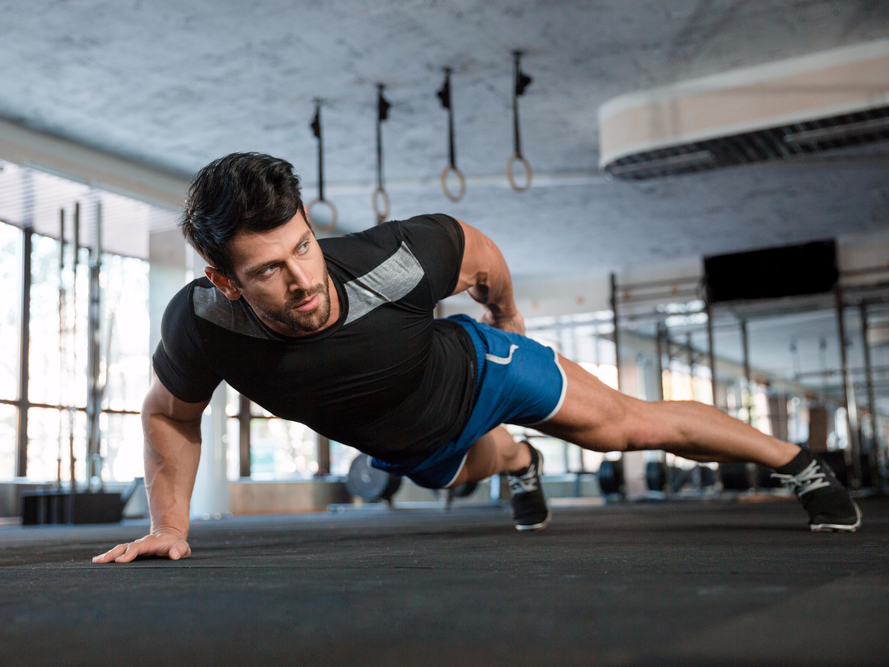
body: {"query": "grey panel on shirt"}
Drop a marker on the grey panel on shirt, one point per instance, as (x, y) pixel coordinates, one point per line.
(210, 304)
(390, 281)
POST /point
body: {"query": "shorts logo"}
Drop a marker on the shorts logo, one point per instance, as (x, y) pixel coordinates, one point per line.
(502, 360)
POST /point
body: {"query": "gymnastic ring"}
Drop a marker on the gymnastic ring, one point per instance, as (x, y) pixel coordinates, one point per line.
(444, 183)
(334, 216)
(381, 216)
(509, 163)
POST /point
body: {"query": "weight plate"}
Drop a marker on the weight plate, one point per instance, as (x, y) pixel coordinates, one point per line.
(369, 483)
(611, 476)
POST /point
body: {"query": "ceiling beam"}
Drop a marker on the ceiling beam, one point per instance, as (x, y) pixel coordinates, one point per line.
(75, 161)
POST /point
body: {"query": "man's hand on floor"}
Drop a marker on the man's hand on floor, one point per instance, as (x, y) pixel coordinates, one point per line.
(162, 544)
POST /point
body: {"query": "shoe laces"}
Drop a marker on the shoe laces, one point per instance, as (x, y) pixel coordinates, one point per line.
(524, 483)
(810, 479)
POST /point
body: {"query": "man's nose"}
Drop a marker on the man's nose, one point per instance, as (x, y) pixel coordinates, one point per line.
(301, 276)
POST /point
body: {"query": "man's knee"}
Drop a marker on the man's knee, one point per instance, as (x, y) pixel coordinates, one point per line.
(496, 451)
(645, 427)
(661, 424)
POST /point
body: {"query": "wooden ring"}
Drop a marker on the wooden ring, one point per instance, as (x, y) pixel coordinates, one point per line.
(509, 163)
(381, 215)
(322, 228)
(444, 183)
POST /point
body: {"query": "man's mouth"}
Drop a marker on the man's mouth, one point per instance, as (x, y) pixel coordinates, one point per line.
(309, 304)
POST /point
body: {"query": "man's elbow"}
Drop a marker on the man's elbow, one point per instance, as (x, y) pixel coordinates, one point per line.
(162, 423)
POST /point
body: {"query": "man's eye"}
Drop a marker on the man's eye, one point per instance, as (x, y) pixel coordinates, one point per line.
(303, 248)
(269, 270)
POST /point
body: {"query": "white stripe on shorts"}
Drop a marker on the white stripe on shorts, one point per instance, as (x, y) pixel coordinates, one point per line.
(503, 361)
(459, 470)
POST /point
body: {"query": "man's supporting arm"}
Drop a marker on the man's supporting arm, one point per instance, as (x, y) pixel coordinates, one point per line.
(484, 274)
(172, 451)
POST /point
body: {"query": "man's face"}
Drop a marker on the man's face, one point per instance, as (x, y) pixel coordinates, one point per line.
(282, 275)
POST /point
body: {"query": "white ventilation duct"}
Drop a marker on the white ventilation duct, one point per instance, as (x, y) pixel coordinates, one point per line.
(794, 107)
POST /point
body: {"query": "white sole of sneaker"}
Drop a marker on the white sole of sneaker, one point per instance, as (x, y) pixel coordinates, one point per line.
(537, 526)
(838, 527)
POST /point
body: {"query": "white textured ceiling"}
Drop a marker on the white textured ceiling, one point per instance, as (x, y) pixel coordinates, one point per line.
(176, 84)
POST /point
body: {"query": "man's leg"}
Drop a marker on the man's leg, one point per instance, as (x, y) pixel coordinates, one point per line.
(498, 452)
(599, 418)
(495, 452)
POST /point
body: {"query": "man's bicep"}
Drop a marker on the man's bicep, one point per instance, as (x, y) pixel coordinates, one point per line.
(479, 254)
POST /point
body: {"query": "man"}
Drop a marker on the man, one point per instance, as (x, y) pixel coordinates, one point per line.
(339, 334)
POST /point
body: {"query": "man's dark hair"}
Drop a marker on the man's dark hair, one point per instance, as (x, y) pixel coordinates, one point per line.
(241, 192)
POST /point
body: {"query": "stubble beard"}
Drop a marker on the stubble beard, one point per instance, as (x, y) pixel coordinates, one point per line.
(303, 323)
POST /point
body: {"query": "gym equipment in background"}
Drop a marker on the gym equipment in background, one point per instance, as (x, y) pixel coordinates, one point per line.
(316, 130)
(445, 96)
(379, 195)
(369, 483)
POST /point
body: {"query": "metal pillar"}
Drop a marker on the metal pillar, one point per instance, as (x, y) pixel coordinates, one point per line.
(854, 449)
(63, 348)
(614, 298)
(323, 456)
(72, 410)
(21, 464)
(243, 436)
(752, 477)
(659, 365)
(712, 352)
(661, 338)
(745, 350)
(874, 449)
(211, 497)
(94, 333)
(616, 337)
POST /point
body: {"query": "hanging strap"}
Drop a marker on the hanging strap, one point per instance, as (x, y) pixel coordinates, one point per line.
(522, 81)
(382, 115)
(445, 96)
(316, 130)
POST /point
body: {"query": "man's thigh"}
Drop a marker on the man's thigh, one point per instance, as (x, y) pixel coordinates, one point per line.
(593, 415)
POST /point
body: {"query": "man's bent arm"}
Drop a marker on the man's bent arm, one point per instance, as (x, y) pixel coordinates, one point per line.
(172, 451)
(485, 275)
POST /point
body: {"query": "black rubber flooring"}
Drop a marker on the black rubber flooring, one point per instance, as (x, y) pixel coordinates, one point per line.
(680, 583)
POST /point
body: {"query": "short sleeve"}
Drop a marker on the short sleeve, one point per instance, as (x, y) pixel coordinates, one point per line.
(437, 242)
(180, 361)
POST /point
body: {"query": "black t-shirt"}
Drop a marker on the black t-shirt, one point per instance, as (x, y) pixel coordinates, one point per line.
(386, 377)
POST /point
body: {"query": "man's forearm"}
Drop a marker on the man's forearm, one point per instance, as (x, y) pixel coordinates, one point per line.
(172, 453)
(493, 284)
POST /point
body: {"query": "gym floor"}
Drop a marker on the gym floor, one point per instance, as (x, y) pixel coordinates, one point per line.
(669, 583)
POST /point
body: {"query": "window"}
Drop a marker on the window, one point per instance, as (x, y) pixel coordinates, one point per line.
(341, 457)
(125, 281)
(281, 449)
(58, 364)
(53, 409)
(8, 426)
(44, 345)
(10, 310)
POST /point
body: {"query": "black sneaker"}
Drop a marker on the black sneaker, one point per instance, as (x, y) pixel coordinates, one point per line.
(830, 507)
(529, 510)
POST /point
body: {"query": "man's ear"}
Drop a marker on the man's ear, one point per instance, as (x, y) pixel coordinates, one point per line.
(223, 284)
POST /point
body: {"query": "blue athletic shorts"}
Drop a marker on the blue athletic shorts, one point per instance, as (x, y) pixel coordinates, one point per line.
(520, 382)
